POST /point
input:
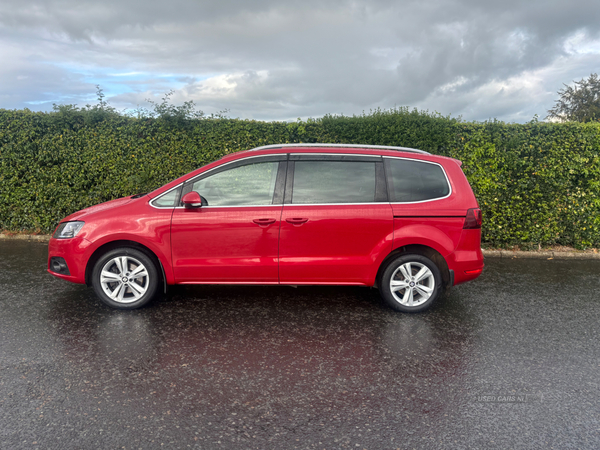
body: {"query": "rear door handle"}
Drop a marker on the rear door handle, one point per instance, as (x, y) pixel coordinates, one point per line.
(296, 220)
(263, 222)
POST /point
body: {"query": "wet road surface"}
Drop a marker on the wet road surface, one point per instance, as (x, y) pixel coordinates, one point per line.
(511, 360)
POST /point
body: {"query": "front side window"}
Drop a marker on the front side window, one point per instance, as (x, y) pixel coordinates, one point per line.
(414, 181)
(333, 182)
(251, 184)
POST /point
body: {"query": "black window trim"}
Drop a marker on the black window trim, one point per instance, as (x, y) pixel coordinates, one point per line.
(390, 185)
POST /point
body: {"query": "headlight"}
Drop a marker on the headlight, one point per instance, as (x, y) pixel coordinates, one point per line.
(67, 230)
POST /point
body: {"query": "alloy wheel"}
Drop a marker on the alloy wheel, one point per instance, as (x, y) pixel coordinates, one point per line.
(412, 284)
(124, 279)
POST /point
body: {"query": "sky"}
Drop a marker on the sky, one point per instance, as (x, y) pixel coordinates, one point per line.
(283, 60)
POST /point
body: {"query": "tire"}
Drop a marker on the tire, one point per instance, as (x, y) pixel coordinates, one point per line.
(411, 283)
(129, 288)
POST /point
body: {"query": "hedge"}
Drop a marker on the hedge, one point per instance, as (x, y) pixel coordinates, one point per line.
(537, 183)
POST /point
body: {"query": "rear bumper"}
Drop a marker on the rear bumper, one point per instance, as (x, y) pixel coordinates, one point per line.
(467, 260)
(466, 272)
(75, 254)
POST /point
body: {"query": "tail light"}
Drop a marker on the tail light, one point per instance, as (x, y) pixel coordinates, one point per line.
(473, 219)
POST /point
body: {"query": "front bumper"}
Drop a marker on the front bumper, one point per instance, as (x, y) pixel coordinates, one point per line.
(75, 254)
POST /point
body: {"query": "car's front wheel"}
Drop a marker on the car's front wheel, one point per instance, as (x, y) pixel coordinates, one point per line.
(125, 278)
(411, 283)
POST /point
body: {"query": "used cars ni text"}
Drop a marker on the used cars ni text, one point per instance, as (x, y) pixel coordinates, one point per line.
(400, 219)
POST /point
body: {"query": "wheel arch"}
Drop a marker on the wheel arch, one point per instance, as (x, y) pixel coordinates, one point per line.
(418, 249)
(97, 254)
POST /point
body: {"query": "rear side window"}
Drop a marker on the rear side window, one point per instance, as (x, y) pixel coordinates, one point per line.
(333, 182)
(414, 181)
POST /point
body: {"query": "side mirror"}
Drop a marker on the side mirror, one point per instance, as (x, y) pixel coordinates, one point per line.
(193, 200)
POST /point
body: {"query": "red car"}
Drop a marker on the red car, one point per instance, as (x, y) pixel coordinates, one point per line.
(400, 219)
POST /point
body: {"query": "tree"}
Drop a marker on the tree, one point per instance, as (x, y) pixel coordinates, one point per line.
(579, 103)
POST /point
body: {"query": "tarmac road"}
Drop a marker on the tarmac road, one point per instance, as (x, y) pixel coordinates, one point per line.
(511, 360)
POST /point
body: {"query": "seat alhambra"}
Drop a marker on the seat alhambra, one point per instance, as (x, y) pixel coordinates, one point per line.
(400, 219)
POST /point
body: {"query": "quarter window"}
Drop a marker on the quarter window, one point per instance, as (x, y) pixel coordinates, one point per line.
(413, 181)
(333, 182)
(167, 200)
(252, 184)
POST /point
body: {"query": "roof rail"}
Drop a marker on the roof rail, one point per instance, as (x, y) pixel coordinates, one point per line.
(380, 147)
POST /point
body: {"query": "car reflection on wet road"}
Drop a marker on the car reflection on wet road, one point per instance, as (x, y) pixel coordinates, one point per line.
(510, 360)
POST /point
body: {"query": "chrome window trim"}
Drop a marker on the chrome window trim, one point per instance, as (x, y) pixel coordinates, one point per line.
(161, 195)
(428, 200)
(220, 166)
(374, 159)
(288, 204)
(191, 180)
(336, 204)
(308, 155)
(309, 204)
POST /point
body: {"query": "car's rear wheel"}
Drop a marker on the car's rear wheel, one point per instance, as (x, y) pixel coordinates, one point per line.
(125, 278)
(411, 283)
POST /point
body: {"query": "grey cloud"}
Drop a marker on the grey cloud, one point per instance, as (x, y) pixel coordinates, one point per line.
(280, 60)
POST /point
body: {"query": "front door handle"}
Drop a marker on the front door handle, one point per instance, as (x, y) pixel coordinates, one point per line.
(296, 220)
(263, 222)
